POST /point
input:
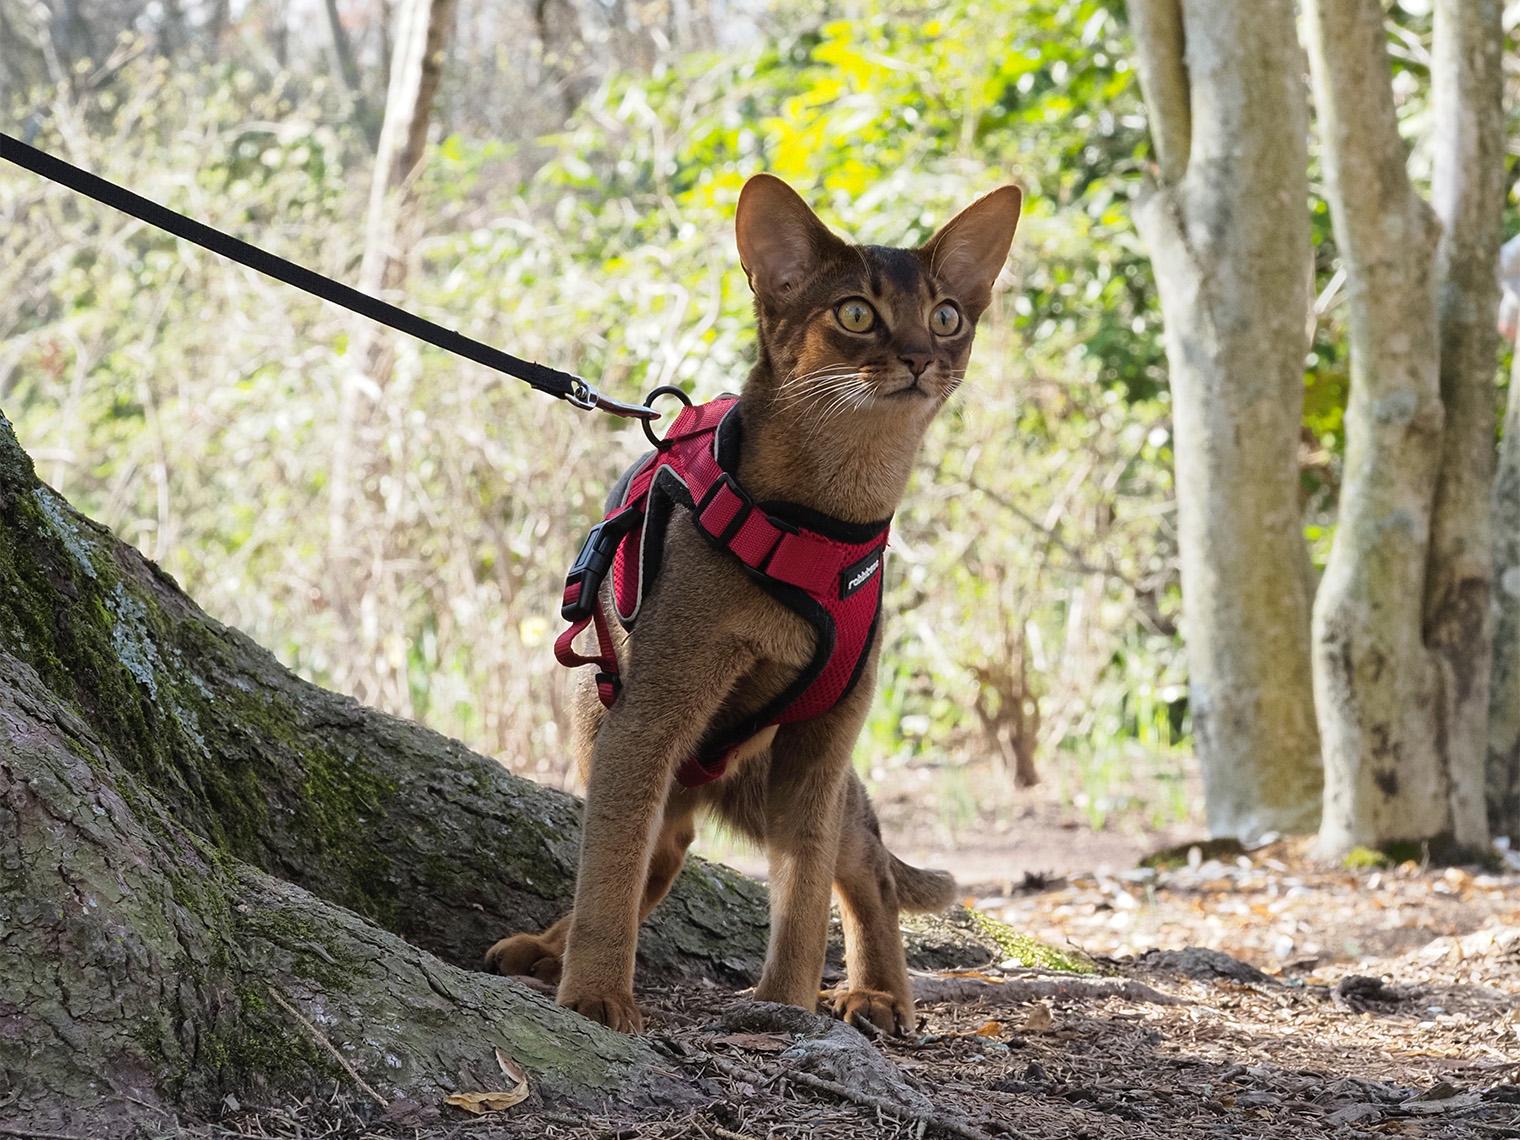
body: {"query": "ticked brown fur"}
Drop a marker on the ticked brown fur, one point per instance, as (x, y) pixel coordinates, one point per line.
(832, 419)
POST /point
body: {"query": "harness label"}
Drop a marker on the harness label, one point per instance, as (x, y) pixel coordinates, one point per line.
(852, 578)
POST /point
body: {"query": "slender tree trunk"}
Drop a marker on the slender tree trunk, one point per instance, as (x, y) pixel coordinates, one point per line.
(1227, 226)
(208, 868)
(357, 559)
(1400, 623)
(1468, 196)
(1503, 767)
(348, 72)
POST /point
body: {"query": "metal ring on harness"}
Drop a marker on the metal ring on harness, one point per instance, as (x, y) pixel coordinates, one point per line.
(662, 390)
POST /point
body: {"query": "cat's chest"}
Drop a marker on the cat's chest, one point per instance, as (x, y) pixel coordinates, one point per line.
(723, 601)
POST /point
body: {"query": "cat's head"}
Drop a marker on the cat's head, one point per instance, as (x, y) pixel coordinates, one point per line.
(855, 328)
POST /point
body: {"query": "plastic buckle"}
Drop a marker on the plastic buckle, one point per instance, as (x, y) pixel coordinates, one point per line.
(590, 568)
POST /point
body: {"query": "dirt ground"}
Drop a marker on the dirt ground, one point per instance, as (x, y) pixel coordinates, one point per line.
(1374, 1003)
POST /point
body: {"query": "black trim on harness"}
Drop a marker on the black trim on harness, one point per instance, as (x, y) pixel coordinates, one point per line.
(795, 515)
(666, 492)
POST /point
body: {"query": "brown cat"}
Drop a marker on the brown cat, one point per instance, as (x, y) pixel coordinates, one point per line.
(860, 346)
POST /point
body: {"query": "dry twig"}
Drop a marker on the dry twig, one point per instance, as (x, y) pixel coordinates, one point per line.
(332, 1049)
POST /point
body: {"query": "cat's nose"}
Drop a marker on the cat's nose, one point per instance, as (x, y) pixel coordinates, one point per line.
(916, 361)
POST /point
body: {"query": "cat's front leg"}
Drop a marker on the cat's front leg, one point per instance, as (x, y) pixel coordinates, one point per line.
(802, 826)
(671, 693)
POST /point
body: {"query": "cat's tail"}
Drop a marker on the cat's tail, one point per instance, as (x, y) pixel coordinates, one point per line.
(922, 891)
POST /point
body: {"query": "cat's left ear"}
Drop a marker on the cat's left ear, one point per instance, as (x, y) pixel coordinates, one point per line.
(781, 240)
(969, 250)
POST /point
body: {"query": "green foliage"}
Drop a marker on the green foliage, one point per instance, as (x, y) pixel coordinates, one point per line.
(192, 406)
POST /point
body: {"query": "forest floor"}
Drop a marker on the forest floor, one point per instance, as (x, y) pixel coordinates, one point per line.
(1372, 1003)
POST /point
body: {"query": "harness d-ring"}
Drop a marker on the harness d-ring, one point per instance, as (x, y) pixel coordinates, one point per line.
(662, 390)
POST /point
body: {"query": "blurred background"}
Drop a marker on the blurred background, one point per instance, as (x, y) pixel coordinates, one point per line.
(395, 523)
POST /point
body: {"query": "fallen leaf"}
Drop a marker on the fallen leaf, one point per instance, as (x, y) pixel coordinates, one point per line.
(756, 1042)
(480, 1103)
(511, 1068)
(989, 1029)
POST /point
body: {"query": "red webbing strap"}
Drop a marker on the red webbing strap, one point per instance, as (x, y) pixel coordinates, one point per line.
(695, 771)
(607, 681)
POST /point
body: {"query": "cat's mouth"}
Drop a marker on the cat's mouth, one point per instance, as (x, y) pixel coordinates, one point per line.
(914, 387)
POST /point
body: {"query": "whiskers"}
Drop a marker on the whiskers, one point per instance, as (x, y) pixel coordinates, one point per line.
(829, 392)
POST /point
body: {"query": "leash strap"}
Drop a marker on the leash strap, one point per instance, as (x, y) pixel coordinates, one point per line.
(562, 385)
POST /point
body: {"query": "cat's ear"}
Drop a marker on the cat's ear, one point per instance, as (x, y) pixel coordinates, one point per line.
(781, 241)
(969, 250)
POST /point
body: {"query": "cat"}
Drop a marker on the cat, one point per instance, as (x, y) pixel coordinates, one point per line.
(859, 348)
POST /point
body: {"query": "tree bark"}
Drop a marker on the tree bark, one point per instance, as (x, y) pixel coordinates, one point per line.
(1468, 196)
(1397, 599)
(348, 72)
(145, 756)
(1227, 227)
(416, 71)
(215, 877)
(1503, 766)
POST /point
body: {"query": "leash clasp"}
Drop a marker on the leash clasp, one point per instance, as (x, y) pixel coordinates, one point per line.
(583, 396)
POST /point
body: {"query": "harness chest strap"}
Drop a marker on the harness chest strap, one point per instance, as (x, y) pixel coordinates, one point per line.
(826, 571)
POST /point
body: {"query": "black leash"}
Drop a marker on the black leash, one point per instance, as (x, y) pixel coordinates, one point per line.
(562, 385)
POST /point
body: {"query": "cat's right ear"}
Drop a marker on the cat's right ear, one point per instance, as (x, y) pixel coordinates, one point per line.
(781, 241)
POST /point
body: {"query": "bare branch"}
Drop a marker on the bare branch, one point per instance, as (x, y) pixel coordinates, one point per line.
(1380, 223)
(1159, 56)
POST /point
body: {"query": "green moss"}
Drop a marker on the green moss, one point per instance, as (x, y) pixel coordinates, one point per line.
(1029, 952)
(258, 1046)
(1367, 859)
(310, 946)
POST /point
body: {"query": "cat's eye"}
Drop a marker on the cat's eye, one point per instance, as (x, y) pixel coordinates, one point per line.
(855, 315)
(945, 320)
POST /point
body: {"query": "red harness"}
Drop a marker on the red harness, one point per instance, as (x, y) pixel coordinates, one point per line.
(827, 571)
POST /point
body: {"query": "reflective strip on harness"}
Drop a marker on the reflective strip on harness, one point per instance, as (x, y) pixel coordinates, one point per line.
(826, 571)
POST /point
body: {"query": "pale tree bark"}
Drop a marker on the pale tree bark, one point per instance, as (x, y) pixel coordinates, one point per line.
(1400, 623)
(1228, 230)
(355, 559)
(215, 878)
(1468, 196)
(1503, 768)
(348, 72)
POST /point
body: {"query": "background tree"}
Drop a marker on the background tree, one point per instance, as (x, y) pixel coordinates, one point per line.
(1401, 621)
(391, 229)
(1503, 773)
(1229, 240)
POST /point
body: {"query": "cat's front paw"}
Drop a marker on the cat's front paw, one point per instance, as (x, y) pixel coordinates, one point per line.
(614, 1009)
(527, 956)
(873, 1011)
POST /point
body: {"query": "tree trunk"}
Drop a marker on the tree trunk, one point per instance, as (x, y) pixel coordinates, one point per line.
(147, 756)
(348, 73)
(356, 559)
(1229, 238)
(215, 876)
(1503, 767)
(1398, 600)
(1468, 196)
